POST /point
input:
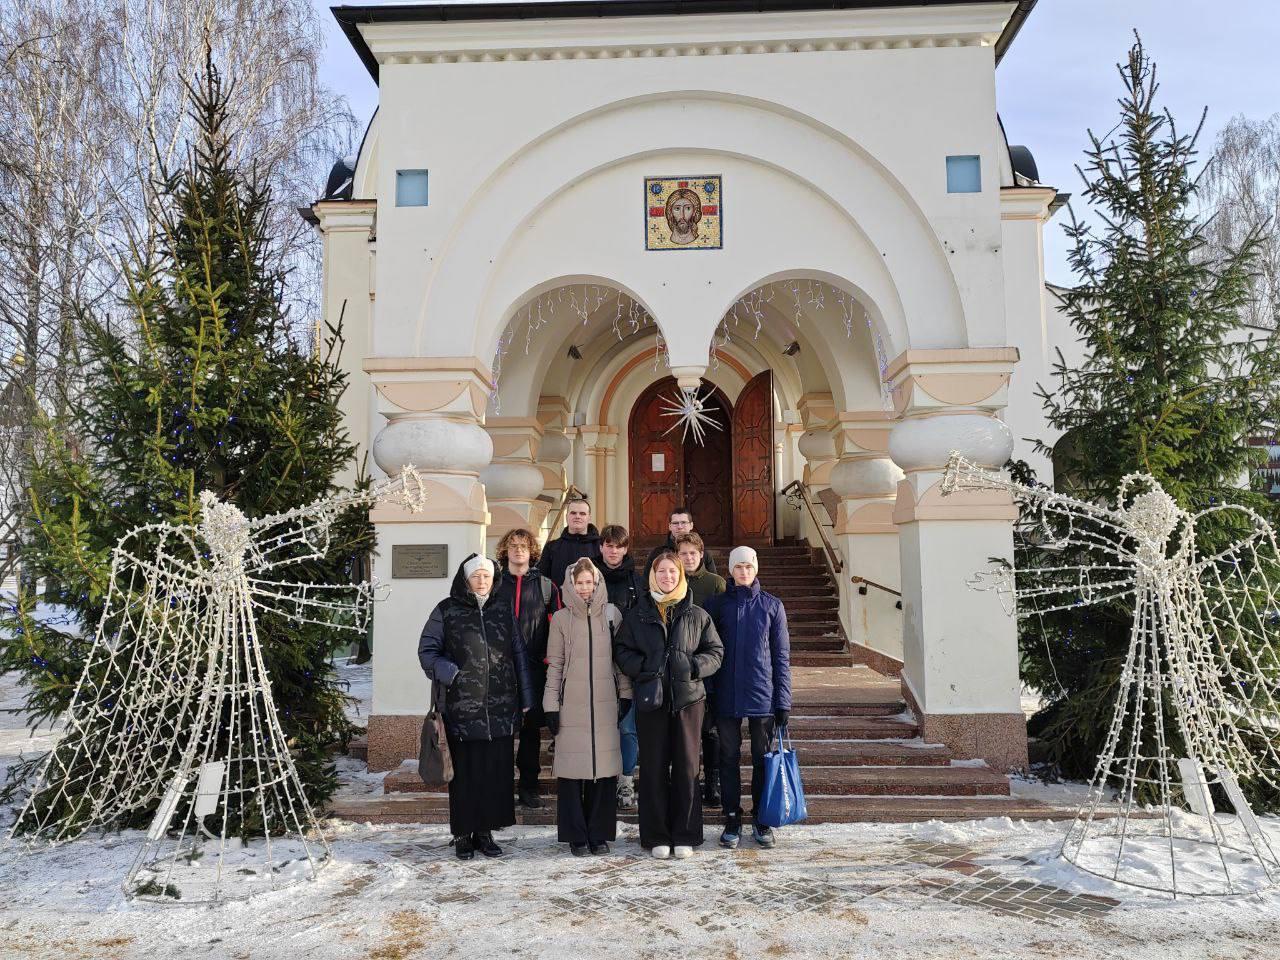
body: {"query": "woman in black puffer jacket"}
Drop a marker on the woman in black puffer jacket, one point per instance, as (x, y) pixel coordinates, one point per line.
(471, 645)
(670, 737)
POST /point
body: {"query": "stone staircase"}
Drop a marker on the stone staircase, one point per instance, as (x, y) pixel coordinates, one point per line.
(860, 755)
(795, 573)
(860, 752)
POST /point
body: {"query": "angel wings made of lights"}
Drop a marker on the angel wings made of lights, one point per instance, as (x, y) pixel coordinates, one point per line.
(174, 703)
(1196, 710)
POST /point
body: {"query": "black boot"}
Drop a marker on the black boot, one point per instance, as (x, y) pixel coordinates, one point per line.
(484, 843)
(711, 788)
(464, 848)
(578, 849)
(529, 798)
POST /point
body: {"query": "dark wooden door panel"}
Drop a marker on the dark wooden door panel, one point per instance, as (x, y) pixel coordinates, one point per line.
(707, 490)
(753, 496)
(657, 464)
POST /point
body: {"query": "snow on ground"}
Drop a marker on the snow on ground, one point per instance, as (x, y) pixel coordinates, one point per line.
(984, 889)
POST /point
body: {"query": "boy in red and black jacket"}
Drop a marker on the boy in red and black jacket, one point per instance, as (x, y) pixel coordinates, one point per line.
(534, 599)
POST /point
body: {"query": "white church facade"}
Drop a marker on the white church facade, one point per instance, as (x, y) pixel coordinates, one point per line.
(562, 214)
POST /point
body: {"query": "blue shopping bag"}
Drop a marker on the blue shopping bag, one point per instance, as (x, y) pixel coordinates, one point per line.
(782, 800)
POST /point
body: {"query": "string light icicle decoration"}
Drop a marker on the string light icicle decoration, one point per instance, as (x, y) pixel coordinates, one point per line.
(1200, 677)
(175, 705)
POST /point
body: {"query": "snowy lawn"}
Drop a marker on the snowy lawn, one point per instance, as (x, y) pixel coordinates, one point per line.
(987, 889)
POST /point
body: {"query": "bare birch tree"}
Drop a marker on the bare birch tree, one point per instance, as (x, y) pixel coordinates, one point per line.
(1242, 199)
(95, 108)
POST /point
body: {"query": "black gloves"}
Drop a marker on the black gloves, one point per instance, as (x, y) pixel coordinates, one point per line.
(623, 706)
(780, 717)
(553, 721)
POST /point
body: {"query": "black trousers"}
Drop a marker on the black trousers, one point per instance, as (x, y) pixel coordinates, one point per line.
(670, 804)
(710, 741)
(586, 810)
(529, 755)
(761, 729)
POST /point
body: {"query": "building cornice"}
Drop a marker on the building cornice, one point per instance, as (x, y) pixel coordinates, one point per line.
(399, 35)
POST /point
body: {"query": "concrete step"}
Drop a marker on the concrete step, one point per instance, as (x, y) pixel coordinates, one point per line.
(803, 658)
(851, 753)
(845, 780)
(434, 809)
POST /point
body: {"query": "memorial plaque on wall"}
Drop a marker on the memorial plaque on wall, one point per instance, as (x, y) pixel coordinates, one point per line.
(419, 561)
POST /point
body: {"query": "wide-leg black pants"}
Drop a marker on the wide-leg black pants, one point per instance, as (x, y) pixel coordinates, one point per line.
(761, 729)
(482, 791)
(587, 810)
(670, 803)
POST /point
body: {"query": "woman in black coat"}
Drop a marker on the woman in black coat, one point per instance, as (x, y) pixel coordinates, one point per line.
(665, 635)
(472, 646)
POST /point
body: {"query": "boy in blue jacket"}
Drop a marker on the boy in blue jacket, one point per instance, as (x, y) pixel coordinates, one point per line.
(754, 684)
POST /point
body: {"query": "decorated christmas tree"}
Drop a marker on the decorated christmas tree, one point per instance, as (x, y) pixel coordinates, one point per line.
(199, 382)
(1170, 385)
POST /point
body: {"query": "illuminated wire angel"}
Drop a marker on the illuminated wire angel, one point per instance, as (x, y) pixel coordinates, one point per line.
(175, 704)
(1202, 670)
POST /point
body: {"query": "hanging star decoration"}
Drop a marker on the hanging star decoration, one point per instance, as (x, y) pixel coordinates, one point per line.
(690, 410)
(1196, 713)
(174, 708)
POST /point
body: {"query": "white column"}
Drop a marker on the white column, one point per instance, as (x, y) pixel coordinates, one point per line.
(434, 408)
(347, 229)
(866, 481)
(513, 481)
(960, 648)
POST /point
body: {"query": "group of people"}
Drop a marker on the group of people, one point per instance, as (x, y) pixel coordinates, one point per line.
(660, 666)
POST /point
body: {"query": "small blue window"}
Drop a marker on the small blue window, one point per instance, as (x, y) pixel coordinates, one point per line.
(411, 188)
(964, 175)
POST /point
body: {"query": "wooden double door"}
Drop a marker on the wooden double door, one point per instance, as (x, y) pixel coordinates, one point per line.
(727, 480)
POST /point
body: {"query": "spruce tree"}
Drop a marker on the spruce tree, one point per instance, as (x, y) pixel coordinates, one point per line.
(196, 384)
(1169, 385)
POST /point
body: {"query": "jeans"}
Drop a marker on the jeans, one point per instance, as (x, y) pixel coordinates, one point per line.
(630, 742)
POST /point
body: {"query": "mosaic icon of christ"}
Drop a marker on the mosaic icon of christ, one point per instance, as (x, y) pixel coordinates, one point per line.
(684, 211)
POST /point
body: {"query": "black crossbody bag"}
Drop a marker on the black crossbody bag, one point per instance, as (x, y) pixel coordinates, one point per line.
(648, 692)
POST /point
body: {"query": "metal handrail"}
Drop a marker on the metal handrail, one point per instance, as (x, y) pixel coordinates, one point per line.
(572, 493)
(863, 583)
(796, 490)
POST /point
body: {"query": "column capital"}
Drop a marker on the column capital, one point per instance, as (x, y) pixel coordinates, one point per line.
(815, 409)
(861, 433)
(598, 438)
(336, 216)
(924, 382)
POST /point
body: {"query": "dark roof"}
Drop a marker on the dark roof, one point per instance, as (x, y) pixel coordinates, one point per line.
(349, 17)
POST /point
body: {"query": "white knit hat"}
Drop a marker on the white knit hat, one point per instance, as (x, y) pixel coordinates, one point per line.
(742, 555)
(474, 564)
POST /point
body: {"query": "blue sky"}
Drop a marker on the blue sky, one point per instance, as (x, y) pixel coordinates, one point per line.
(1059, 77)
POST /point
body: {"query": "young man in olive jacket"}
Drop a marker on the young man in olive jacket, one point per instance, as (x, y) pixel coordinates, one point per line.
(533, 600)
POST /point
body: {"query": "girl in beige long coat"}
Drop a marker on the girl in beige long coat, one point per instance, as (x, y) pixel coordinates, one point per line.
(584, 698)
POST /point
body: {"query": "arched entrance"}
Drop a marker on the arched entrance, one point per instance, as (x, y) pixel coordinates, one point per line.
(666, 471)
(727, 480)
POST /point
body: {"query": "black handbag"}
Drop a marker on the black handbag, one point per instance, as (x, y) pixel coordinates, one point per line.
(648, 689)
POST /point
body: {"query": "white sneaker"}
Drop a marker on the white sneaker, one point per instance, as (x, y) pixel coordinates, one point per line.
(683, 853)
(661, 853)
